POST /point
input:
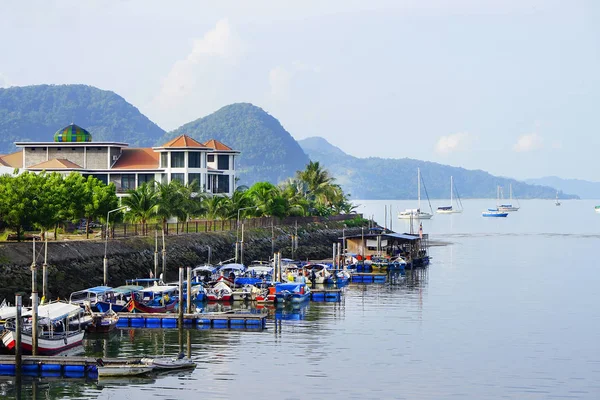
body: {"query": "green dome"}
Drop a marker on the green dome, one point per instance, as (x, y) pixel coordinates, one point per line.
(72, 133)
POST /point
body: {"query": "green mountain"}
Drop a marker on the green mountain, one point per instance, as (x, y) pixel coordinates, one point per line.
(35, 113)
(268, 151)
(382, 178)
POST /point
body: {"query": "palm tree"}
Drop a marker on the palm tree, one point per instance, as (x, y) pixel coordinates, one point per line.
(170, 201)
(238, 200)
(142, 203)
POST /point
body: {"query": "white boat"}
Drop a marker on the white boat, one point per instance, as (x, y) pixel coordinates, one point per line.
(124, 369)
(245, 293)
(169, 363)
(416, 213)
(509, 206)
(557, 203)
(55, 334)
(450, 209)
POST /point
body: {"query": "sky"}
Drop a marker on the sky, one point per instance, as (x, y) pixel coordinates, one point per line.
(511, 87)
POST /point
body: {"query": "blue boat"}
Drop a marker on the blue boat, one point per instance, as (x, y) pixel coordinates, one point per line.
(255, 275)
(292, 292)
(118, 298)
(494, 212)
(90, 296)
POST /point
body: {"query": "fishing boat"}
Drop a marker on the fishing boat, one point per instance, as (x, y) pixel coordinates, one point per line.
(54, 334)
(118, 298)
(292, 292)
(230, 272)
(450, 209)
(205, 273)
(103, 322)
(154, 299)
(557, 203)
(219, 292)
(255, 275)
(509, 206)
(494, 212)
(416, 213)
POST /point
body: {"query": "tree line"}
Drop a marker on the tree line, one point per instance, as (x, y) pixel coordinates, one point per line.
(45, 201)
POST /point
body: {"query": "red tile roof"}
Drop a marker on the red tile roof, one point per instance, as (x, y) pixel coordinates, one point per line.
(140, 158)
(56, 163)
(14, 160)
(215, 144)
(183, 141)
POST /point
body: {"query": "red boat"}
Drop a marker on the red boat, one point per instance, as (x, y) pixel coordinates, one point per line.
(220, 292)
(155, 299)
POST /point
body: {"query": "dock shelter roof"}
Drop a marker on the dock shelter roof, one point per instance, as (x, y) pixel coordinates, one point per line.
(403, 237)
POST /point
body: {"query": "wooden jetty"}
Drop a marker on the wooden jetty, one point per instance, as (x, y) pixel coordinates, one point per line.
(369, 277)
(69, 366)
(234, 320)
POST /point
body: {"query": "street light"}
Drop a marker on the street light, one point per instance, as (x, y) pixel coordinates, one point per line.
(106, 241)
(237, 233)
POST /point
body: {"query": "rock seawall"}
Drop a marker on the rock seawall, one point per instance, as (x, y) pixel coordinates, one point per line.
(75, 265)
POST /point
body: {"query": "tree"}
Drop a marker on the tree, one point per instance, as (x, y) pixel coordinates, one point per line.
(18, 200)
(100, 199)
(170, 201)
(142, 203)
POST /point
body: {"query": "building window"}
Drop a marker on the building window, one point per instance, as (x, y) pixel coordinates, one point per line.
(32, 148)
(222, 184)
(145, 178)
(102, 178)
(194, 179)
(177, 159)
(223, 162)
(178, 177)
(128, 181)
(163, 179)
(164, 160)
(194, 159)
(210, 158)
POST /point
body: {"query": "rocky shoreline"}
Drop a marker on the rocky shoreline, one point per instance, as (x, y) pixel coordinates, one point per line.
(75, 265)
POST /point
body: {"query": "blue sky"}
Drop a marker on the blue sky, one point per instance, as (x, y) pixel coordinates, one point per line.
(510, 87)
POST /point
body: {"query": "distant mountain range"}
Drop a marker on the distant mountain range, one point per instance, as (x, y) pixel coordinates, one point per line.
(584, 189)
(268, 151)
(383, 178)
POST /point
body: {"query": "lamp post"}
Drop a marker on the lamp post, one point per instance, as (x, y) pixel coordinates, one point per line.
(106, 241)
(237, 232)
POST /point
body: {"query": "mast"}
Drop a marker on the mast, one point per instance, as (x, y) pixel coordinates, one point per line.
(451, 191)
(510, 191)
(419, 189)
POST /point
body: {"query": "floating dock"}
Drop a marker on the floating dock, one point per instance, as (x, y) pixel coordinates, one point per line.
(372, 277)
(225, 320)
(70, 366)
(325, 294)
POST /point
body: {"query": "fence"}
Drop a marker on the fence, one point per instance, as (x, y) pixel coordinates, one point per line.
(220, 225)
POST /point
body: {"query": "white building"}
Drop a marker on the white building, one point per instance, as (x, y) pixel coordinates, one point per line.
(210, 164)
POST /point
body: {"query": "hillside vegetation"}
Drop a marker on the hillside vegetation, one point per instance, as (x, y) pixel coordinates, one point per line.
(268, 151)
(35, 113)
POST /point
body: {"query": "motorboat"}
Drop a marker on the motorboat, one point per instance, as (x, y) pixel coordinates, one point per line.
(245, 293)
(255, 275)
(230, 272)
(219, 292)
(205, 273)
(494, 212)
(292, 292)
(124, 369)
(90, 296)
(103, 322)
(169, 363)
(54, 335)
(316, 272)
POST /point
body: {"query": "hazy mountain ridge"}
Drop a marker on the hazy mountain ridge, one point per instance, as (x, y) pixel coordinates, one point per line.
(584, 189)
(35, 113)
(381, 178)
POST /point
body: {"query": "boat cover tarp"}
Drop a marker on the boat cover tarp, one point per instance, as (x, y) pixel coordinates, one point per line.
(290, 287)
(127, 289)
(55, 311)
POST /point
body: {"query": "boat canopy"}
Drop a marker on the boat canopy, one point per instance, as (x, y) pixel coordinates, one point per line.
(90, 293)
(143, 281)
(260, 269)
(205, 268)
(290, 287)
(235, 267)
(127, 289)
(56, 311)
(160, 289)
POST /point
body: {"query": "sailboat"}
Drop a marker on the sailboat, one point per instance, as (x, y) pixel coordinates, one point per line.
(557, 202)
(495, 212)
(416, 213)
(509, 206)
(449, 209)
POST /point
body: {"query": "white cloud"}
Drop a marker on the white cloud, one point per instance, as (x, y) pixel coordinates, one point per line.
(454, 142)
(202, 72)
(529, 142)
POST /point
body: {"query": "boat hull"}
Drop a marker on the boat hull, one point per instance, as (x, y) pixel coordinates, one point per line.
(124, 370)
(414, 216)
(495, 215)
(46, 346)
(136, 306)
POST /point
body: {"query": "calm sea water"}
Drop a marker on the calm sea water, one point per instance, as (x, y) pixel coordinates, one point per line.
(507, 310)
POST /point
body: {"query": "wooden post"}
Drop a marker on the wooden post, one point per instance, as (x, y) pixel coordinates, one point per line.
(155, 253)
(18, 322)
(34, 305)
(164, 258)
(180, 309)
(45, 270)
(188, 307)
